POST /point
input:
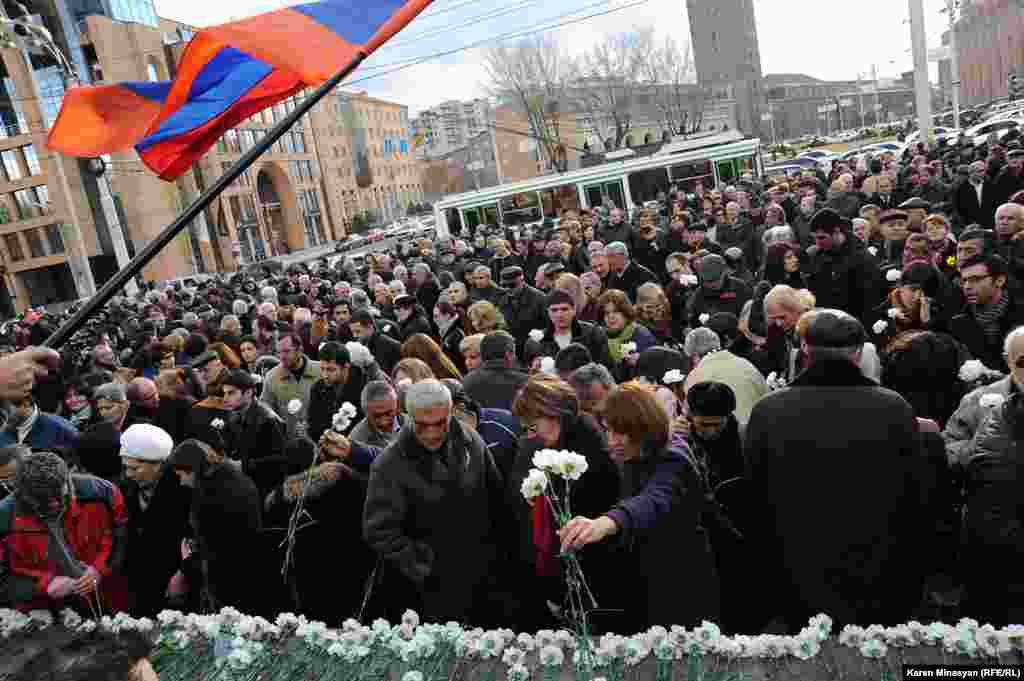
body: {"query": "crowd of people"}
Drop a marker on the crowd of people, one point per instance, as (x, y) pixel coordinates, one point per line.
(794, 395)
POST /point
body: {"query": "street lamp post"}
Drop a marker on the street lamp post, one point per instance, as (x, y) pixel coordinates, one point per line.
(954, 63)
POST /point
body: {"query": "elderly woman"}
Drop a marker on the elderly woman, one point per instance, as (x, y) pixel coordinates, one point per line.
(550, 412)
(657, 517)
(592, 311)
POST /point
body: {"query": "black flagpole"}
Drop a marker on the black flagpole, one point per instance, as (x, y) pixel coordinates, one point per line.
(71, 326)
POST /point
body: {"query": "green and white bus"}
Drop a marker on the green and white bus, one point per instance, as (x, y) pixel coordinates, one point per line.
(623, 183)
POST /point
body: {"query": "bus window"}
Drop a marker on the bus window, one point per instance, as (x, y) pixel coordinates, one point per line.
(597, 193)
(644, 185)
(726, 171)
(686, 175)
(451, 218)
(519, 208)
(557, 200)
(484, 215)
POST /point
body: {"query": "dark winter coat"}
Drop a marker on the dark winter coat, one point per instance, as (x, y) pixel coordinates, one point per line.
(730, 298)
(524, 310)
(591, 336)
(842, 514)
(225, 519)
(845, 279)
(659, 517)
(153, 540)
(325, 401)
(256, 438)
(442, 529)
(386, 350)
(417, 323)
(493, 385)
(631, 278)
(966, 329)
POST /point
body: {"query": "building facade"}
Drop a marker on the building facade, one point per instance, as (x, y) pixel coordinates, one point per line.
(795, 101)
(299, 194)
(723, 34)
(450, 126)
(990, 46)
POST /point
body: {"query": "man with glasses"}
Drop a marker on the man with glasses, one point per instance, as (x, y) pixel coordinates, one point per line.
(435, 513)
(992, 309)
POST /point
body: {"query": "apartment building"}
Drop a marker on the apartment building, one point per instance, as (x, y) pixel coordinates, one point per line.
(450, 126)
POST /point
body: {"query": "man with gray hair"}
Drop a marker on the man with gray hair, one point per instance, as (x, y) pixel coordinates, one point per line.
(435, 513)
(484, 288)
(624, 274)
(825, 443)
(709, 362)
(592, 383)
(383, 420)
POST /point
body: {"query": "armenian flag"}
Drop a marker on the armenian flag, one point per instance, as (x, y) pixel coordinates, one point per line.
(227, 73)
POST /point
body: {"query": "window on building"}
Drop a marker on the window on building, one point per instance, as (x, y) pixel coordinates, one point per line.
(55, 238)
(35, 243)
(41, 195)
(222, 146)
(300, 142)
(13, 244)
(151, 74)
(24, 204)
(11, 166)
(31, 160)
(232, 140)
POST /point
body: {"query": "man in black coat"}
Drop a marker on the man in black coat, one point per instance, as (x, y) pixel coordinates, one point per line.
(993, 309)
(386, 350)
(718, 292)
(157, 507)
(412, 318)
(974, 201)
(435, 510)
(842, 275)
(832, 463)
(340, 382)
(254, 434)
(522, 305)
(428, 290)
(563, 329)
(497, 382)
(625, 275)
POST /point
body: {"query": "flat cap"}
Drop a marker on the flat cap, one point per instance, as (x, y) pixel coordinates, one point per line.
(891, 215)
(511, 273)
(827, 220)
(916, 203)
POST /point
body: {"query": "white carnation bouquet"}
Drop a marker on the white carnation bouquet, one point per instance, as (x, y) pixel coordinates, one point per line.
(550, 482)
(974, 372)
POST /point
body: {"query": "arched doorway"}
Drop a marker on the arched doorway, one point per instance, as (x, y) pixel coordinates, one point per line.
(280, 212)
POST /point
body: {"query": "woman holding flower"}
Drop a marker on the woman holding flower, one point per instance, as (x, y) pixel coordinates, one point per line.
(551, 415)
(627, 337)
(656, 521)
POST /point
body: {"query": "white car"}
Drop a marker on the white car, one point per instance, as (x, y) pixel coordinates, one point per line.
(939, 132)
(824, 159)
(979, 133)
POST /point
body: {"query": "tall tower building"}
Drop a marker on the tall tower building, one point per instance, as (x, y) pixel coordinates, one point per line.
(724, 38)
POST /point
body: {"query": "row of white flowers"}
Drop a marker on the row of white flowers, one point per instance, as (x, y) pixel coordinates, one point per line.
(245, 637)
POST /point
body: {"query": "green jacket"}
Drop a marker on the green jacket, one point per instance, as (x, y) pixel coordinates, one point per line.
(280, 388)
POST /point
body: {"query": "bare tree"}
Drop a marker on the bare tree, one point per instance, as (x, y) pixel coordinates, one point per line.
(607, 79)
(670, 68)
(532, 74)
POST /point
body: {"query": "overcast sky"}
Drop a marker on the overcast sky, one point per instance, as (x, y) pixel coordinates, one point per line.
(826, 39)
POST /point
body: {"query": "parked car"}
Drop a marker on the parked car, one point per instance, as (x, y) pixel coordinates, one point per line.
(824, 159)
(1000, 126)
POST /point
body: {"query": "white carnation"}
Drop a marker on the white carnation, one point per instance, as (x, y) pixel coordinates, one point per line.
(547, 365)
(893, 313)
(873, 648)
(551, 656)
(880, 326)
(628, 348)
(536, 335)
(688, 279)
(894, 276)
(518, 672)
(534, 484)
(673, 376)
(872, 250)
(359, 354)
(991, 401)
(294, 407)
(703, 319)
(217, 424)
